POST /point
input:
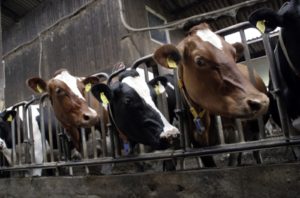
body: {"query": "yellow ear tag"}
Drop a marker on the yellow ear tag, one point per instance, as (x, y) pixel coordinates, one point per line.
(10, 118)
(171, 63)
(88, 87)
(39, 89)
(103, 98)
(156, 89)
(260, 25)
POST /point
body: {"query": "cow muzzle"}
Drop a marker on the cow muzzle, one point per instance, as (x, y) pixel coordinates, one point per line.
(170, 133)
(89, 118)
(256, 106)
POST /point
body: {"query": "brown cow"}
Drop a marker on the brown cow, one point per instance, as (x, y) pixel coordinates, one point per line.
(67, 95)
(211, 81)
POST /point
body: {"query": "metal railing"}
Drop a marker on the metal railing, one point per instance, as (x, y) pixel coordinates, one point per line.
(104, 147)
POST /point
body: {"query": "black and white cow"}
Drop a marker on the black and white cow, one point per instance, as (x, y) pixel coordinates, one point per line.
(286, 52)
(6, 118)
(134, 111)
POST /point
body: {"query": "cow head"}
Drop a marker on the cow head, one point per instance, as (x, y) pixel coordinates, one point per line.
(6, 118)
(266, 20)
(67, 96)
(134, 111)
(208, 70)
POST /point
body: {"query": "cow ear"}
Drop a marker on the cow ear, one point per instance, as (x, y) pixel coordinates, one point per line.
(38, 85)
(9, 115)
(89, 81)
(266, 20)
(239, 49)
(167, 56)
(102, 93)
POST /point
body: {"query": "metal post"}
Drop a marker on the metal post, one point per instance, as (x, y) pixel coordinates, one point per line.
(220, 129)
(42, 123)
(276, 85)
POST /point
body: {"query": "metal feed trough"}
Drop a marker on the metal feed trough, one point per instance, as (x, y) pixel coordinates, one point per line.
(98, 150)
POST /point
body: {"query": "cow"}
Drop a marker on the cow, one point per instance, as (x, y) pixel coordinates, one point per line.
(133, 111)
(67, 94)
(6, 118)
(286, 53)
(211, 82)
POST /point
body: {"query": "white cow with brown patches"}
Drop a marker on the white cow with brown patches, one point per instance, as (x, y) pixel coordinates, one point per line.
(67, 95)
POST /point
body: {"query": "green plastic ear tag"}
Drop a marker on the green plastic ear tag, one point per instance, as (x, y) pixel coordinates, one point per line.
(10, 118)
(103, 98)
(171, 63)
(88, 87)
(39, 89)
(260, 25)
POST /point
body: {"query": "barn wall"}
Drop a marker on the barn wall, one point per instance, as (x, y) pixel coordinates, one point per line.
(88, 38)
(275, 181)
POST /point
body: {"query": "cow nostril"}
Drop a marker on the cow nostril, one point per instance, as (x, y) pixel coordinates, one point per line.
(86, 117)
(254, 105)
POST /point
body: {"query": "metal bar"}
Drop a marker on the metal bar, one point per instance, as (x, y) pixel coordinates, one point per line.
(94, 142)
(179, 110)
(228, 148)
(13, 134)
(83, 141)
(276, 85)
(220, 129)
(25, 134)
(19, 138)
(252, 78)
(30, 128)
(58, 140)
(42, 123)
(103, 133)
(50, 132)
(239, 126)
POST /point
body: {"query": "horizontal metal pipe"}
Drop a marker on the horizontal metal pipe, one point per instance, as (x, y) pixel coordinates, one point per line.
(255, 145)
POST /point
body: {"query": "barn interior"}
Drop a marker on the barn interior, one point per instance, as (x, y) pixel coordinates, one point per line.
(29, 25)
(90, 36)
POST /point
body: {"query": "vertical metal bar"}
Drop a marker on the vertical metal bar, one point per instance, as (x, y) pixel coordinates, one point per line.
(50, 133)
(93, 132)
(103, 133)
(240, 129)
(94, 142)
(83, 141)
(19, 138)
(111, 135)
(84, 148)
(220, 129)
(13, 134)
(2, 66)
(42, 123)
(25, 134)
(30, 128)
(58, 140)
(276, 85)
(252, 78)
(146, 70)
(179, 111)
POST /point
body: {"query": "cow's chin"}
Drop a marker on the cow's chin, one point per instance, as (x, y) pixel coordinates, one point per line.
(86, 124)
(242, 113)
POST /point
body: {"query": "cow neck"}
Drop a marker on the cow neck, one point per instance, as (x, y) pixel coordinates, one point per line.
(111, 116)
(284, 50)
(188, 100)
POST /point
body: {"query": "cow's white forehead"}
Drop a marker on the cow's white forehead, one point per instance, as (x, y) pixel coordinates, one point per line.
(211, 37)
(71, 82)
(140, 86)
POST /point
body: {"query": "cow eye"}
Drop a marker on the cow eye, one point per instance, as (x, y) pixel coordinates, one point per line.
(59, 91)
(127, 101)
(199, 61)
